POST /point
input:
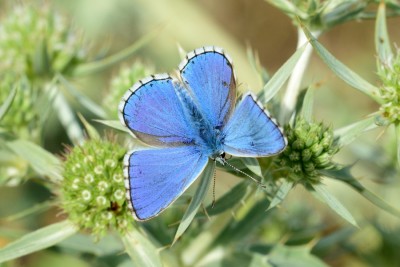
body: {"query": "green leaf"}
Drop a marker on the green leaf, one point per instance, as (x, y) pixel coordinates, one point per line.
(397, 130)
(82, 99)
(38, 240)
(308, 102)
(40, 207)
(237, 229)
(100, 65)
(349, 133)
(91, 131)
(382, 41)
(288, 256)
(344, 175)
(256, 65)
(253, 165)
(341, 70)
(325, 196)
(229, 199)
(197, 199)
(7, 103)
(43, 162)
(242, 259)
(108, 245)
(141, 250)
(116, 124)
(281, 194)
(276, 82)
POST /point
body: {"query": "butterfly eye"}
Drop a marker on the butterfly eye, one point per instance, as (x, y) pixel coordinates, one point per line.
(222, 155)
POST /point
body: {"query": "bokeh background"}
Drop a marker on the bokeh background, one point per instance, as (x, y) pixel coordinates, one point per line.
(111, 25)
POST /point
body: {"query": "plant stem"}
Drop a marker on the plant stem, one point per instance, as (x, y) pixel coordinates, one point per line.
(294, 84)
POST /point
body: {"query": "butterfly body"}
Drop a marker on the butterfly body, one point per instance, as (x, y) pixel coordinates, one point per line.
(187, 123)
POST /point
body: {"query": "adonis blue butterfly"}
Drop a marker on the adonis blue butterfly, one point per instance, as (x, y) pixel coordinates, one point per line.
(187, 122)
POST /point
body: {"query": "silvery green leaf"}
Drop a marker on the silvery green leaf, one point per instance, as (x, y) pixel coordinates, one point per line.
(38, 240)
(281, 194)
(279, 78)
(341, 70)
(382, 40)
(141, 250)
(8, 102)
(325, 196)
(42, 161)
(197, 199)
(349, 133)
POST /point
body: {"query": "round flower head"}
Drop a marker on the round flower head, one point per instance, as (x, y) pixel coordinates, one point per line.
(124, 79)
(390, 90)
(38, 42)
(310, 148)
(93, 190)
(22, 117)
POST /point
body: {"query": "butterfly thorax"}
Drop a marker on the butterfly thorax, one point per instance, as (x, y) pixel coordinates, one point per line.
(205, 135)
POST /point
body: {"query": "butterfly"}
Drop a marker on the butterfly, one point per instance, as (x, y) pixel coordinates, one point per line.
(187, 123)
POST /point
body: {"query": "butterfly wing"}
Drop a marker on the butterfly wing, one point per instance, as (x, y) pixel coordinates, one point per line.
(250, 132)
(207, 72)
(151, 109)
(156, 177)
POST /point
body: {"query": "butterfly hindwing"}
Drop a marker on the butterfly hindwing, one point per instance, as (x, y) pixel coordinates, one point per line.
(156, 177)
(250, 132)
(207, 73)
(152, 110)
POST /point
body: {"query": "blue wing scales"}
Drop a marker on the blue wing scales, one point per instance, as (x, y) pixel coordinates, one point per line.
(152, 110)
(156, 177)
(250, 132)
(208, 74)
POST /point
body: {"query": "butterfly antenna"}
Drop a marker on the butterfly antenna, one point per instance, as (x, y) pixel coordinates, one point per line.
(245, 174)
(213, 202)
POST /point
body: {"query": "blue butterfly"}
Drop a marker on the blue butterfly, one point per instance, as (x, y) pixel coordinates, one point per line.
(187, 122)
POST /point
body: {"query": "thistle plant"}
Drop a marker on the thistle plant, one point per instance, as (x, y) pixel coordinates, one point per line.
(223, 220)
(93, 191)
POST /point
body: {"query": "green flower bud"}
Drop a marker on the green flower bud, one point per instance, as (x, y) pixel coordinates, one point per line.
(93, 194)
(389, 73)
(310, 149)
(127, 77)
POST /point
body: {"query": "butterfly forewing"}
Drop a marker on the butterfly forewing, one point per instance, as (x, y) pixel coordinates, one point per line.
(207, 72)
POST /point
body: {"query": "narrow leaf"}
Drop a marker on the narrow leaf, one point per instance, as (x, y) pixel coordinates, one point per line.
(7, 103)
(96, 66)
(298, 256)
(276, 82)
(281, 194)
(197, 199)
(116, 124)
(38, 240)
(83, 243)
(397, 130)
(229, 199)
(349, 133)
(333, 203)
(40, 207)
(341, 70)
(141, 250)
(345, 176)
(43, 162)
(82, 99)
(91, 131)
(382, 41)
(253, 165)
(308, 102)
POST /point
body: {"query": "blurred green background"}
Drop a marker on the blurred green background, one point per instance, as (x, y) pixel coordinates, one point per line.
(111, 25)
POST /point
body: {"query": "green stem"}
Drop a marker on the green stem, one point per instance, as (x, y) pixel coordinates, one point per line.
(294, 84)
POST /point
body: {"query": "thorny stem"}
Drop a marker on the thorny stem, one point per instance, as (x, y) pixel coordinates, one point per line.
(294, 84)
